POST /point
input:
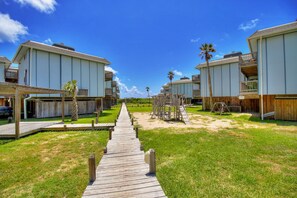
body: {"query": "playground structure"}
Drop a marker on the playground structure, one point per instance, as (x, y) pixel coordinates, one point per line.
(169, 107)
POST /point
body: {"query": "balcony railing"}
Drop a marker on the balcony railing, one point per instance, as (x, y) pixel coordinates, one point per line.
(114, 83)
(108, 92)
(249, 86)
(11, 74)
(83, 92)
(196, 93)
(108, 76)
(196, 78)
(248, 59)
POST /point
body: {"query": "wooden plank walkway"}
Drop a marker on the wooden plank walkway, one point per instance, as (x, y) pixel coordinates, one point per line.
(78, 127)
(122, 172)
(26, 128)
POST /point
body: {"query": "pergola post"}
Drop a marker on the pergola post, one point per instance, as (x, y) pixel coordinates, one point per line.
(63, 104)
(17, 112)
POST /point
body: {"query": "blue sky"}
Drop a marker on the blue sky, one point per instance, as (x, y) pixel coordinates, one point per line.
(144, 39)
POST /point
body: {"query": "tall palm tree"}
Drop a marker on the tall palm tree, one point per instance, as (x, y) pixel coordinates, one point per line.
(205, 53)
(71, 87)
(170, 76)
(148, 93)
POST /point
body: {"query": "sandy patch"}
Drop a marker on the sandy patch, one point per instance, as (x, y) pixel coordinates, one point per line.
(196, 121)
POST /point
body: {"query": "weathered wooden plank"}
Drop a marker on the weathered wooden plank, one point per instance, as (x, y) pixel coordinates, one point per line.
(122, 172)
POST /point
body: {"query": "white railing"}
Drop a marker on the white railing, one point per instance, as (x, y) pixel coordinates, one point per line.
(249, 86)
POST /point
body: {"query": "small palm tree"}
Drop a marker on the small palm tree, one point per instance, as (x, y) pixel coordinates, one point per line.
(205, 53)
(71, 87)
(148, 93)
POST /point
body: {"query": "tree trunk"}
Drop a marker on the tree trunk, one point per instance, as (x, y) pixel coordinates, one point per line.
(209, 86)
(74, 115)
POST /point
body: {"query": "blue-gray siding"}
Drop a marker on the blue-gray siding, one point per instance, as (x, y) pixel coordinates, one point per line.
(50, 70)
(279, 64)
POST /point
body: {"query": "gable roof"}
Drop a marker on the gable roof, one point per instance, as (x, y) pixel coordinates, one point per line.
(5, 60)
(48, 48)
(219, 62)
(272, 31)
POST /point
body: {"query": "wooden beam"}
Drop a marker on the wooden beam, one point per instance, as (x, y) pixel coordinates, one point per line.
(63, 104)
(17, 113)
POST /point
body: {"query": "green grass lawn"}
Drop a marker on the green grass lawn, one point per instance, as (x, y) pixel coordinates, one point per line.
(108, 116)
(49, 164)
(139, 108)
(229, 163)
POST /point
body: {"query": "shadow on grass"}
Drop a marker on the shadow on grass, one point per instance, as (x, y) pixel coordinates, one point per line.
(5, 141)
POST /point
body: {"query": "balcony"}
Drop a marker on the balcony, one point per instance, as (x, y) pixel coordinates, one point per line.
(196, 94)
(114, 83)
(83, 92)
(249, 87)
(11, 74)
(248, 64)
(108, 92)
(196, 78)
(108, 76)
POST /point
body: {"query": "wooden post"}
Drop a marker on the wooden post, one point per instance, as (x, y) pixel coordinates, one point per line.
(132, 121)
(115, 122)
(110, 133)
(92, 168)
(141, 147)
(101, 104)
(136, 130)
(152, 162)
(17, 112)
(105, 150)
(63, 104)
(93, 124)
(97, 116)
(65, 127)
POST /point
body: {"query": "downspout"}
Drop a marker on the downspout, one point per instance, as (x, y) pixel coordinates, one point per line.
(261, 80)
(30, 74)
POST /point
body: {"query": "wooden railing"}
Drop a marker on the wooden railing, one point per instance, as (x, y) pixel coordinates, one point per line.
(82, 92)
(249, 86)
(108, 76)
(114, 83)
(108, 92)
(11, 74)
(196, 93)
(196, 78)
(248, 59)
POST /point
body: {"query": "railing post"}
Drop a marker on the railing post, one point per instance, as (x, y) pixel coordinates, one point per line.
(136, 130)
(132, 121)
(65, 127)
(115, 122)
(93, 124)
(92, 168)
(152, 161)
(110, 133)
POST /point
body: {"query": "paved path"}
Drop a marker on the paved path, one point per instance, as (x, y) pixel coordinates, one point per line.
(122, 172)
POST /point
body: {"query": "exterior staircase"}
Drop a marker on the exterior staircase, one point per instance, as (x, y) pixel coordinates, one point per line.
(184, 115)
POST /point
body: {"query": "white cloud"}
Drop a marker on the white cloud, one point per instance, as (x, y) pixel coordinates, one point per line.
(177, 73)
(218, 56)
(48, 41)
(107, 68)
(194, 40)
(46, 6)
(249, 25)
(11, 30)
(129, 92)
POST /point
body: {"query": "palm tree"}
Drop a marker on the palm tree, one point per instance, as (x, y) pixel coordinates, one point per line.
(148, 93)
(205, 53)
(71, 87)
(170, 76)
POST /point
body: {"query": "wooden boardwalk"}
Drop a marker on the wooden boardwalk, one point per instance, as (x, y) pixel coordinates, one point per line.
(78, 127)
(122, 172)
(26, 128)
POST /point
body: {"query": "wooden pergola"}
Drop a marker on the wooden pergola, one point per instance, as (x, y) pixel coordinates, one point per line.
(16, 91)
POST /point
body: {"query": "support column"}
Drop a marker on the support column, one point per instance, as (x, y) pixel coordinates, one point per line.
(17, 113)
(62, 110)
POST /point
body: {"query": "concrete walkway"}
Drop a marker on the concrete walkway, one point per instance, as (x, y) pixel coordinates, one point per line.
(122, 172)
